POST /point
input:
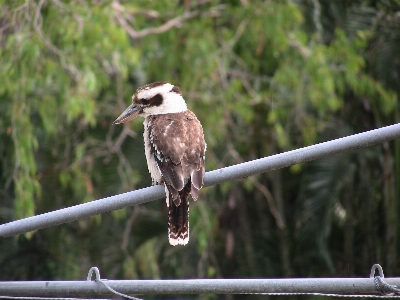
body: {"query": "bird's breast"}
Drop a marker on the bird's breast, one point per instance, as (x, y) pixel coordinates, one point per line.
(151, 162)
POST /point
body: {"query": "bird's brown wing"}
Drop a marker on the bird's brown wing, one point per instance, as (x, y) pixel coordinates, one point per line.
(194, 159)
(178, 148)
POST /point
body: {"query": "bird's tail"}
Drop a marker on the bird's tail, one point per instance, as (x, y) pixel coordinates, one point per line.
(178, 217)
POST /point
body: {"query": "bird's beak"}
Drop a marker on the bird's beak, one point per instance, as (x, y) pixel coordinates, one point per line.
(129, 114)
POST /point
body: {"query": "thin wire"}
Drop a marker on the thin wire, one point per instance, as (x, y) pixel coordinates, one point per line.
(118, 293)
(48, 298)
(382, 286)
(332, 295)
(387, 290)
(99, 280)
(373, 270)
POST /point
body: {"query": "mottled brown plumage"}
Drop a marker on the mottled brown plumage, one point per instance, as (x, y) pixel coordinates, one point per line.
(181, 152)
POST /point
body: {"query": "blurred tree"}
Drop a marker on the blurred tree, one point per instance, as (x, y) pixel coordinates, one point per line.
(368, 194)
(263, 78)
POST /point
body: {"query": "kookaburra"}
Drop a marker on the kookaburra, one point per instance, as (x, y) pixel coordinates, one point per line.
(174, 147)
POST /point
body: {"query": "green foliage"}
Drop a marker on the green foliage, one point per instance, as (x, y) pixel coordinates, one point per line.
(263, 78)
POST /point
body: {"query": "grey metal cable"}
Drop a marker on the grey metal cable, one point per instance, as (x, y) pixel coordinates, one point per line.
(355, 286)
(335, 287)
(269, 294)
(238, 171)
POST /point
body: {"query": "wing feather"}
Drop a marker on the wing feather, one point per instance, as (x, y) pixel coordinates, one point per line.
(178, 147)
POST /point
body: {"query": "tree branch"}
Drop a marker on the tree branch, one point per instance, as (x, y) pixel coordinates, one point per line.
(175, 22)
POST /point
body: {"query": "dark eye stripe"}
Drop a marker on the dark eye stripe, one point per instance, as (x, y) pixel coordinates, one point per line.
(157, 100)
(144, 101)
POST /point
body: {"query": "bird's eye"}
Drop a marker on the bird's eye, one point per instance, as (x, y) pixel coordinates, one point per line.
(144, 101)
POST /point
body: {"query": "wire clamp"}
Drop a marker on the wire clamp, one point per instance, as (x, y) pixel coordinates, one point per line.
(96, 271)
(382, 286)
(99, 280)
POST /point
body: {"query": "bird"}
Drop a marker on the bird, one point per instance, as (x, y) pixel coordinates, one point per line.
(174, 148)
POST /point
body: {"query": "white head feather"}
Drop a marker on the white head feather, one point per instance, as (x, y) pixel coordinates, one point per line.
(172, 102)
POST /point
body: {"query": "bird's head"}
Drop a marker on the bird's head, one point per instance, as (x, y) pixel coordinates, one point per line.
(153, 99)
